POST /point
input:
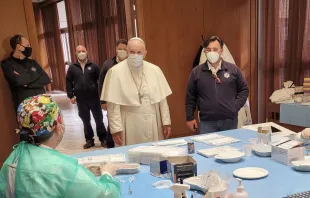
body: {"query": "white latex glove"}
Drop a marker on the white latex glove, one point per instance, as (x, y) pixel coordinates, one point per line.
(162, 184)
(94, 168)
(108, 168)
(306, 134)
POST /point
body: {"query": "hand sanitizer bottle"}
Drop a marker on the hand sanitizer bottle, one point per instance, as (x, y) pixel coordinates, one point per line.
(240, 191)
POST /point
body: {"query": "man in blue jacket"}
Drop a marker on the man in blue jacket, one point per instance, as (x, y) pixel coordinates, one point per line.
(219, 90)
(82, 88)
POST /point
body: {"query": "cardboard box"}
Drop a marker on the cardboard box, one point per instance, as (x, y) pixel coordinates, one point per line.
(286, 155)
(180, 168)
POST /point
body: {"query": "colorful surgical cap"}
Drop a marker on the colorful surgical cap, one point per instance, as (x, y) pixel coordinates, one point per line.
(38, 115)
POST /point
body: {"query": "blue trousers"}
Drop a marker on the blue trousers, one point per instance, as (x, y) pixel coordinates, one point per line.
(220, 125)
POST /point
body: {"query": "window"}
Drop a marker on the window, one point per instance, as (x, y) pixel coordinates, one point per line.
(63, 25)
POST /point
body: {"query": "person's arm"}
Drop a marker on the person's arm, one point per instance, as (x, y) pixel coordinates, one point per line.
(97, 70)
(115, 119)
(102, 76)
(191, 97)
(43, 80)
(87, 185)
(115, 123)
(69, 83)
(165, 117)
(242, 90)
(16, 79)
(164, 112)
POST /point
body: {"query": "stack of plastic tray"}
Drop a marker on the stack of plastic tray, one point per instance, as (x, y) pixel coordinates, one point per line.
(145, 154)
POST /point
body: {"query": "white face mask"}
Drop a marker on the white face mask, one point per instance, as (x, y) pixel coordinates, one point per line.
(82, 56)
(122, 54)
(135, 60)
(213, 57)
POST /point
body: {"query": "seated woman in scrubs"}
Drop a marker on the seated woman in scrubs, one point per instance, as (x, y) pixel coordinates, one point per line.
(36, 169)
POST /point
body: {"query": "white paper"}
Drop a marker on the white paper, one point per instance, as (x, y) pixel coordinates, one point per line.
(180, 142)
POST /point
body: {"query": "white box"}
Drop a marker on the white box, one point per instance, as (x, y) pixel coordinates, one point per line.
(145, 154)
(286, 156)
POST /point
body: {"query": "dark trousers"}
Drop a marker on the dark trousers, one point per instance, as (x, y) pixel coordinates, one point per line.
(110, 142)
(219, 125)
(93, 105)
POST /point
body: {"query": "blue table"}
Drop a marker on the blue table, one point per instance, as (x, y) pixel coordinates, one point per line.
(281, 181)
(295, 114)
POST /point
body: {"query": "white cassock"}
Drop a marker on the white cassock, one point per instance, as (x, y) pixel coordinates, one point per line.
(136, 100)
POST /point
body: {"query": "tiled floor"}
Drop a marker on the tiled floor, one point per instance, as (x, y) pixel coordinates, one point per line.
(73, 140)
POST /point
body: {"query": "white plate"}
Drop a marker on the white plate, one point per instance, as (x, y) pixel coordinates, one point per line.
(262, 150)
(250, 173)
(301, 165)
(230, 156)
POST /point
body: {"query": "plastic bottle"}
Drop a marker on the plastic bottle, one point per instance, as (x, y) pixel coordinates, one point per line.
(240, 191)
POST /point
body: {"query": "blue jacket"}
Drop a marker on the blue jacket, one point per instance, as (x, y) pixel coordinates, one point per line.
(216, 101)
(83, 84)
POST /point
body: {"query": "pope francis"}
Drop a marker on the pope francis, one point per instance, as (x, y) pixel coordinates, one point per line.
(136, 92)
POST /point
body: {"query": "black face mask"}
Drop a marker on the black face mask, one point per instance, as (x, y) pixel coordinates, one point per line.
(27, 52)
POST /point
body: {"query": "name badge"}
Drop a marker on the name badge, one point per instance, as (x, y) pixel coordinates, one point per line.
(226, 75)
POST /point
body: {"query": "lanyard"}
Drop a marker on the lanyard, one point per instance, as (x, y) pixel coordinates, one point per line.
(217, 79)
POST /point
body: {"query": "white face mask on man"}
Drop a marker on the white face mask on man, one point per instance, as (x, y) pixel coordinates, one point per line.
(213, 57)
(135, 60)
(122, 54)
(82, 56)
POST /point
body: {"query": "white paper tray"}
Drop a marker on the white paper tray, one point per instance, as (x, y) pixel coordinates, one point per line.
(215, 139)
(123, 168)
(113, 158)
(145, 154)
(254, 127)
(211, 152)
(180, 142)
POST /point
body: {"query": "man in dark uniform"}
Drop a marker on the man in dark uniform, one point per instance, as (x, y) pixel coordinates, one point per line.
(219, 90)
(121, 54)
(25, 76)
(82, 88)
